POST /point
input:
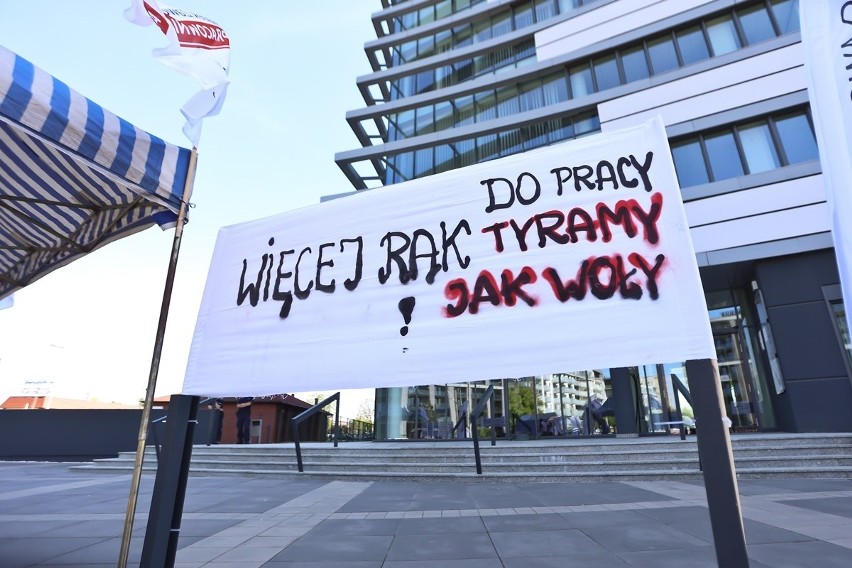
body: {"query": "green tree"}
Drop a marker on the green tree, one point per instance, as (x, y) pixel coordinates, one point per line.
(318, 397)
(521, 400)
(366, 411)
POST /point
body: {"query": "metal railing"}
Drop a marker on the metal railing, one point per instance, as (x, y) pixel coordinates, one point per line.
(355, 430)
(297, 421)
(460, 423)
(681, 388)
(153, 428)
(487, 398)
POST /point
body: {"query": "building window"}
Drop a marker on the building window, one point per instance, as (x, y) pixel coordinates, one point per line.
(429, 14)
(511, 142)
(444, 158)
(554, 88)
(743, 26)
(692, 45)
(505, 22)
(786, 14)
(635, 64)
(487, 148)
(606, 72)
(663, 55)
(424, 120)
(758, 147)
(839, 314)
(466, 151)
(444, 8)
(423, 162)
(465, 110)
(427, 161)
(486, 106)
(723, 156)
(425, 47)
(723, 35)
(405, 123)
(689, 163)
(524, 15)
(544, 10)
(834, 300)
(403, 166)
(497, 25)
(581, 81)
(748, 148)
(668, 51)
(507, 101)
(756, 24)
(535, 136)
(443, 115)
(797, 138)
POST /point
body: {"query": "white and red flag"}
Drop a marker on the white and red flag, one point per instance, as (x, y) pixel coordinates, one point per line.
(197, 47)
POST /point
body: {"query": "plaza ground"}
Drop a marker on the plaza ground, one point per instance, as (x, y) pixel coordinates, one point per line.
(51, 516)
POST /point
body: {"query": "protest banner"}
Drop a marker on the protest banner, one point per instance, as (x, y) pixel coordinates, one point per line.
(574, 256)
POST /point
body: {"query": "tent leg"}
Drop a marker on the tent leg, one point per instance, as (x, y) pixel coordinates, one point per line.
(714, 451)
(164, 519)
(155, 366)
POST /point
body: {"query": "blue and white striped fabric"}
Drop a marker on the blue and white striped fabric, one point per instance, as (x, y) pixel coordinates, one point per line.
(73, 176)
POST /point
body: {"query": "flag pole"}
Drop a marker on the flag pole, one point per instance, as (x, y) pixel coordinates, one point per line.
(155, 362)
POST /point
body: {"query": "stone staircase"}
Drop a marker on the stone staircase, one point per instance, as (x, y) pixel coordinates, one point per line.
(553, 460)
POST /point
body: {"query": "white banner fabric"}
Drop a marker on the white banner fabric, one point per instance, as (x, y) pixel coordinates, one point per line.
(827, 38)
(570, 257)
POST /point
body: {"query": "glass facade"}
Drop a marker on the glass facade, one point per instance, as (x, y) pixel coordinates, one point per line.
(432, 13)
(667, 51)
(429, 412)
(445, 44)
(510, 19)
(745, 390)
(580, 403)
(410, 165)
(524, 408)
(660, 54)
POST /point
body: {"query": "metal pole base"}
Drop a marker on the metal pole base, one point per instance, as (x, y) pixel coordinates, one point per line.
(164, 519)
(717, 460)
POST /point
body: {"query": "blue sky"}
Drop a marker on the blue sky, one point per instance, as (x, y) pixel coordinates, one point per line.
(89, 328)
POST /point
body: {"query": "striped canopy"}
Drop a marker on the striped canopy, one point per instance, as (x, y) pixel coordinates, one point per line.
(73, 176)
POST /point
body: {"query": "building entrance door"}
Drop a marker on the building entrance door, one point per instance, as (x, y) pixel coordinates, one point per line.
(738, 390)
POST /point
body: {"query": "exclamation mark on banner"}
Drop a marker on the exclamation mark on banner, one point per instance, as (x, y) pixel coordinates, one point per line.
(406, 307)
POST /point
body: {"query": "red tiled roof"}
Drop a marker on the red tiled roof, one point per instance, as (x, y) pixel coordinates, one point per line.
(275, 398)
(52, 402)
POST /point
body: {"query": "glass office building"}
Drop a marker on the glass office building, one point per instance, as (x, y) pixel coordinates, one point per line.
(458, 82)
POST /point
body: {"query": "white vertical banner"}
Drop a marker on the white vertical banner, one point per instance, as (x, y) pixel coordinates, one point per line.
(7, 302)
(827, 38)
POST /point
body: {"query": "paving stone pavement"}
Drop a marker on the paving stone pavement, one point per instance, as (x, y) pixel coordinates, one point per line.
(50, 516)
